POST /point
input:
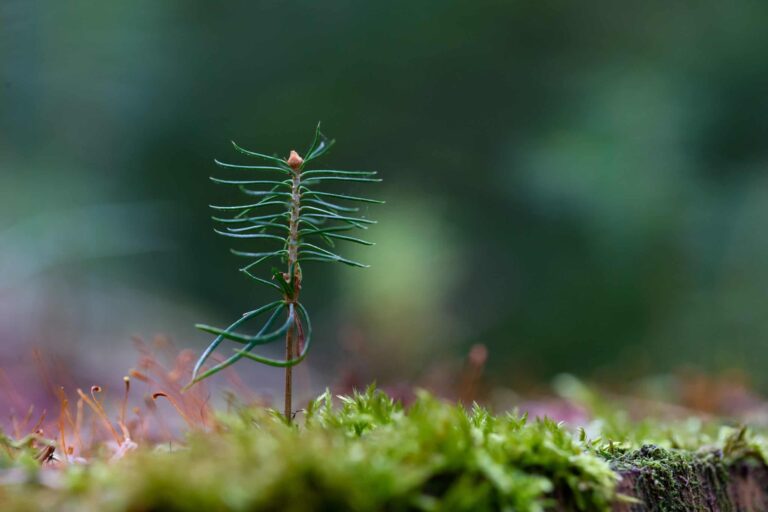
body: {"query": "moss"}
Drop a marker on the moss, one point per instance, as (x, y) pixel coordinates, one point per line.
(673, 480)
(368, 453)
(693, 470)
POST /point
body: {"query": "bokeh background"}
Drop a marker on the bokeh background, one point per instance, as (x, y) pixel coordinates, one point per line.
(579, 186)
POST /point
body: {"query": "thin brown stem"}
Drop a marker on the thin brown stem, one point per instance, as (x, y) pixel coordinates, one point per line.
(293, 275)
(289, 375)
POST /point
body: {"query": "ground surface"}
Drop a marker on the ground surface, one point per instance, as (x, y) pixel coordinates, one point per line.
(365, 452)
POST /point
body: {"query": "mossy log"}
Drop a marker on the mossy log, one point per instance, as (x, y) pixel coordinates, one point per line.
(654, 479)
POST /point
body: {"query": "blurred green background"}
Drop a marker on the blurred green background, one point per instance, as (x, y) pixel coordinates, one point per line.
(580, 186)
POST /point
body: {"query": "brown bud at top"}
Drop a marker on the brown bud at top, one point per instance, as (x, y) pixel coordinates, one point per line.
(294, 160)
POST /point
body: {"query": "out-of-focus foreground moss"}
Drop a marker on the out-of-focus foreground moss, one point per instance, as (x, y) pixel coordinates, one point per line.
(368, 454)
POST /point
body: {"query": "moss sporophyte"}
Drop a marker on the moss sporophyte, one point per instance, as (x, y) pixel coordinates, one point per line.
(296, 223)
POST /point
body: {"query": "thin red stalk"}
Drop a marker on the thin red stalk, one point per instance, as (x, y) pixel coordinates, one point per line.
(62, 431)
(100, 412)
(18, 428)
(79, 424)
(175, 405)
(39, 424)
(124, 404)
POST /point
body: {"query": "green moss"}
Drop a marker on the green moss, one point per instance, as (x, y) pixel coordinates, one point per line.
(674, 480)
(368, 453)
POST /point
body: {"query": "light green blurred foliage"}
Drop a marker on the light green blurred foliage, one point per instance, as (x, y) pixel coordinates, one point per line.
(401, 303)
(598, 165)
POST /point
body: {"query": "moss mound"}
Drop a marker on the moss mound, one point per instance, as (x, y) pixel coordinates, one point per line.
(371, 454)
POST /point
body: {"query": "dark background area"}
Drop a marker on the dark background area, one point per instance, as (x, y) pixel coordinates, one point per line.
(581, 186)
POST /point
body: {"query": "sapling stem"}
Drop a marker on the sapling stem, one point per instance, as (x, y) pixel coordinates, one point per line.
(288, 407)
(295, 162)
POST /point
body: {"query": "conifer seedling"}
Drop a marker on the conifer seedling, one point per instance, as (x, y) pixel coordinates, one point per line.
(289, 221)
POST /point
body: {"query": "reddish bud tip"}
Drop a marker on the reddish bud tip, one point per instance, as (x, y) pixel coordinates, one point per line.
(294, 160)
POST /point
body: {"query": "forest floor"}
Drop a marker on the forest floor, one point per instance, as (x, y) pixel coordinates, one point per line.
(367, 452)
